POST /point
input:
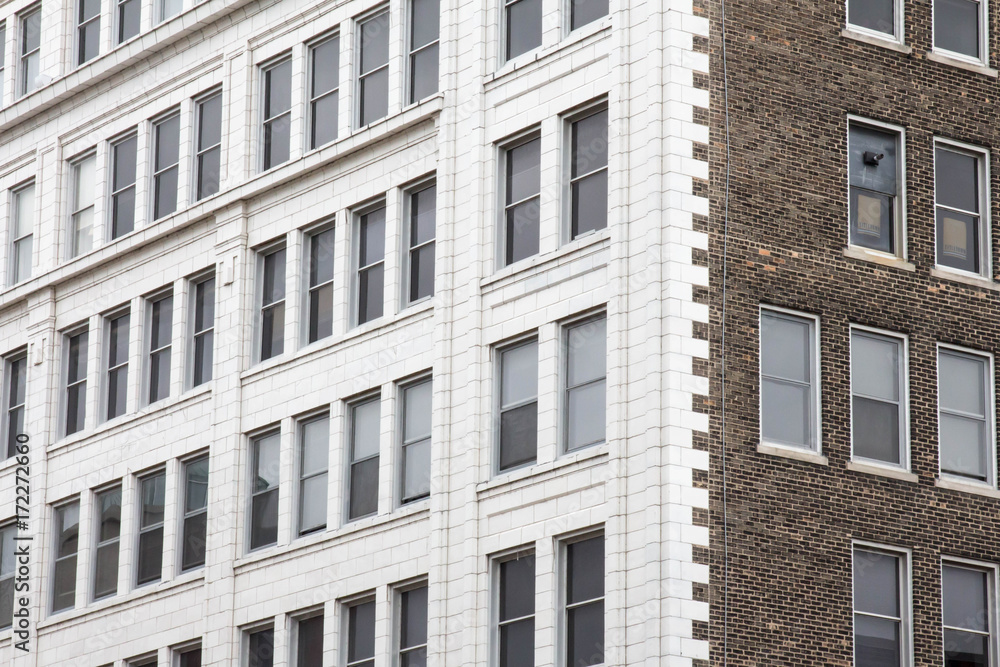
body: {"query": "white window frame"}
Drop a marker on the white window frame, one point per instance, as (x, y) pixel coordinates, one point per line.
(350, 405)
(105, 360)
(905, 593)
(177, 651)
(985, 233)
(397, 617)
(140, 530)
(900, 203)
(357, 75)
(71, 250)
(991, 602)
(258, 313)
(309, 237)
(566, 187)
(899, 27)
(312, 97)
(183, 515)
(293, 628)
(192, 333)
(14, 221)
(991, 421)
(984, 37)
(523, 550)
(154, 128)
(345, 606)
(96, 538)
(400, 444)
(409, 52)
(406, 250)
(77, 29)
(904, 398)
(251, 444)
(25, 87)
(562, 585)
(300, 423)
(564, 389)
(262, 70)
(54, 542)
(196, 153)
(497, 409)
(109, 224)
(64, 385)
(503, 148)
(148, 351)
(253, 628)
(5, 407)
(355, 298)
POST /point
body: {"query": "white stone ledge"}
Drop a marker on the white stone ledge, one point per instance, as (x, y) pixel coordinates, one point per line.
(974, 488)
(792, 453)
(882, 471)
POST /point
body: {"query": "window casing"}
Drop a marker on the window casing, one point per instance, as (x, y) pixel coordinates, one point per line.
(373, 70)
(116, 370)
(264, 481)
(160, 323)
(88, 30)
(882, 623)
(789, 379)
(277, 89)
(324, 91)
(15, 390)
(108, 507)
(582, 12)
(320, 288)
(76, 381)
(8, 567)
(81, 232)
(415, 476)
(588, 170)
(585, 399)
(361, 634)
(314, 454)
(30, 49)
(420, 239)
(875, 173)
(127, 16)
(189, 657)
(522, 21)
(363, 464)
(968, 596)
(425, 19)
(879, 18)
(67, 535)
(518, 405)
(22, 216)
(965, 414)
(521, 196)
(583, 601)
(961, 29)
(152, 498)
(309, 641)
(195, 514)
(208, 148)
(203, 305)
(514, 633)
(272, 305)
(123, 165)
(371, 265)
(260, 648)
(166, 167)
(413, 627)
(879, 406)
(961, 208)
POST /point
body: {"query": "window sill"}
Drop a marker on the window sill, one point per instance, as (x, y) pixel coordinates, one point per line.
(975, 281)
(875, 40)
(882, 470)
(792, 453)
(878, 258)
(503, 482)
(977, 488)
(944, 59)
(580, 245)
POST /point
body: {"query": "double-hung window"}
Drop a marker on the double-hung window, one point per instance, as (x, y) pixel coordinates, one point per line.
(586, 382)
(961, 208)
(968, 597)
(152, 496)
(965, 414)
(128, 13)
(208, 156)
(584, 601)
(324, 94)
(881, 607)
(518, 405)
(363, 459)
(361, 634)
(15, 385)
(314, 454)
(878, 397)
(123, 164)
(204, 330)
(277, 113)
(373, 72)
(116, 359)
(30, 51)
(320, 313)
(582, 12)
(76, 381)
(881, 18)
(8, 567)
(3, 57)
(67, 539)
(309, 641)
(421, 241)
(166, 156)
(789, 372)
(522, 27)
(515, 611)
(195, 515)
(416, 441)
(272, 305)
(522, 192)
(265, 475)
(88, 30)
(160, 320)
(588, 178)
(81, 225)
(260, 648)
(960, 28)
(876, 187)
(108, 505)
(413, 627)
(371, 265)
(22, 212)
(425, 19)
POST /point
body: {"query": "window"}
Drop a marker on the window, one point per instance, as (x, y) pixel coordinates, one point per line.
(875, 174)
(208, 156)
(583, 12)
(960, 27)
(373, 76)
(413, 627)
(123, 161)
(161, 311)
(588, 181)
(108, 506)
(166, 148)
(67, 534)
(515, 633)
(88, 30)
(168, 8)
(962, 234)
(518, 405)
(22, 212)
(361, 634)
(416, 441)
(425, 19)
(16, 376)
(523, 19)
(882, 17)
(965, 429)
(76, 381)
(789, 402)
(81, 226)
(371, 264)
(364, 458)
(204, 330)
(265, 475)
(117, 364)
(3, 52)
(277, 113)
(7, 570)
(314, 453)
(189, 657)
(586, 384)
(152, 491)
(320, 312)
(195, 515)
(309, 643)
(522, 187)
(881, 608)
(325, 91)
(128, 19)
(31, 44)
(272, 309)
(260, 648)
(421, 233)
(584, 602)
(878, 397)
(968, 601)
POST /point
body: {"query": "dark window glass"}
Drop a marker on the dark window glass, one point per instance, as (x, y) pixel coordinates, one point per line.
(314, 455)
(109, 522)
(518, 405)
(152, 493)
(209, 153)
(585, 602)
(583, 12)
(321, 285)
(118, 335)
(195, 514)
(272, 336)
(423, 217)
(361, 635)
(524, 26)
(261, 648)
(310, 642)
(589, 173)
(264, 494)
(425, 19)
(325, 91)
(161, 321)
(167, 135)
(957, 196)
(67, 525)
(277, 113)
(876, 397)
(364, 461)
(517, 612)
(877, 609)
(413, 628)
(31, 40)
(877, 15)
(371, 265)
(957, 26)
(521, 211)
(8, 567)
(123, 156)
(204, 330)
(76, 382)
(88, 31)
(17, 373)
(874, 187)
(373, 77)
(191, 658)
(128, 19)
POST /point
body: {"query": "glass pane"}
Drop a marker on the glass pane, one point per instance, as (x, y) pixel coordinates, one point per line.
(585, 570)
(517, 643)
(32, 31)
(310, 642)
(64, 584)
(876, 642)
(426, 19)
(22, 259)
(262, 648)
(267, 464)
(82, 239)
(193, 548)
(117, 386)
(191, 658)
(196, 485)
(312, 513)
(324, 119)
(956, 26)
(518, 436)
(876, 430)
(522, 231)
(585, 635)
(417, 411)
(417, 470)
(124, 157)
(321, 313)
(203, 358)
(422, 272)
(84, 187)
(278, 89)
(875, 366)
(372, 237)
(517, 587)
(106, 573)
(78, 357)
(371, 296)
(963, 446)
(785, 347)
(519, 373)
(590, 203)
(872, 223)
(272, 335)
(166, 193)
(523, 171)
(872, 14)
(587, 351)
(956, 175)
(204, 310)
(524, 27)
(964, 649)
(153, 492)
(962, 384)
(6, 602)
(361, 632)
(150, 556)
(15, 427)
(29, 76)
(315, 445)
(590, 140)
(76, 405)
(208, 172)
(424, 71)
(413, 618)
(321, 257)
(25, 214)
(167, 142)
(209, 122)
(277, 141)
(365, 424)
(964, 592)
(423, 213)
(876, 583)
(375, 96)
(169, 8)
(118, 348)
(958, 240)
(123, 213)
(7, 559)
(587, 415)
(162, 319)
(128, 20)
(264, 519)
(364, 488)
(414, 658)
(587, 11)
(159, 375)
(109, 513)
(785, 413)
(326, 67)
(375, 42)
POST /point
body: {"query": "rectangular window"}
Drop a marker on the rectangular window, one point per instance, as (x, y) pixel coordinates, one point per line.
(324, 96)
(371, 264)
(416, 444)
(117, 364)
(168, 8)
(195, 521)
(523, 20)
(515, 632)
(584, 602)
(413, 627)
(7, 571)
(875, 173)
(264, 480)
(361, 634)
(425, 19)
(875, 16)
(960, 27)
(586, 383)
(123, 162)
(965, 425)
(152, 492)
(3, 57)
(161, 316)
(878, 397)
(881, 608)
(189, 657)
(364, 458)
(208, 156)
(320, 312)
(67, 535)
(959, 201)
(128, 19)
(373, 74)
(309, 644)
(166, 155)
(260, 648)
(789, 369)
(16, 375)
(969, 600)
(583, 12)
(108, 505)
(314, 454)
(81, 231)
(588, 180)
(522, 188)
(22, 213)
(88, 30)
(31, 44)
(204, 330)
(518, 405)
(277, 113)
(272, 308)
(76, 381)
(421, 235)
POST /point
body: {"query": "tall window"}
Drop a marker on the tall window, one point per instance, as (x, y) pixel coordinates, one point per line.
(3, 57)
(515, 633)
(22, 227)
(152, 492)
(523, 19)
(969, 602)
(518, 405)
(208, 158)
(108, 505)
(583, 12)
(881, 608)
(373, 75)
(416, 441)
(371, 264)
(324, 95)
(76, 381)
(161, 316)
(361, 634)
(788, 371)
(364, 458)
(31, 44)
(272, 308)
(204, 330)
(167, 138)
(67, 536)
(193, 532)
(260, 648)
(309, 647)
(16, 375)
(878, 400)
(423, 219)
(81, 232)
(586, 384)
(7, 571)
(321, 284)
(128, 19)
(88, 30)
(584, 621)
(123, 161)
(589, 172)
(277, 113)
(314, 453)
(965, 400)
(875, 170)
(413, 627)
(876, 16)
(959, 193)
(264, 480)
(117, 364)
(425, 19)
(522, 187)
(960, 27)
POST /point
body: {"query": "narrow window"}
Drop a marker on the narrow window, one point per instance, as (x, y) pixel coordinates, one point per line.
(204, 330)
(585, 602)
(168, 8)
(117, 368)
(518, 405)
(958, 27)
(958, 197)
(324, 95)
(878, 403)
(364, 458)
(272, 309)
(17, 376)
(586, 383)
(522, 186)
(788, 368)
(969, 601)
(128, 19)
(31, 44)
(309, 648)
(22, 227)
(76, 382)
(277, 113)
(123, 161)
(373, 77)
(161, 318)
(878, 16)
(264, 490)
(81, 232)
(208, 156)
(516, 611)
(67, 529)
(583, 12)
(108, 506)
(523, 19)
(7, 571)
(152, 491)
(425, 19)
(3, 57)
(413, 627)
(881, 617)
(589, 173)
(416, 445)
(88, 30)
(167, 138)
(189, 657)
(964, 401)
(314, 453)
(260, 648)
(422, 232)
(321, 284)
(371, 265)
(361, 635)
(875, 189)
(193, 532)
